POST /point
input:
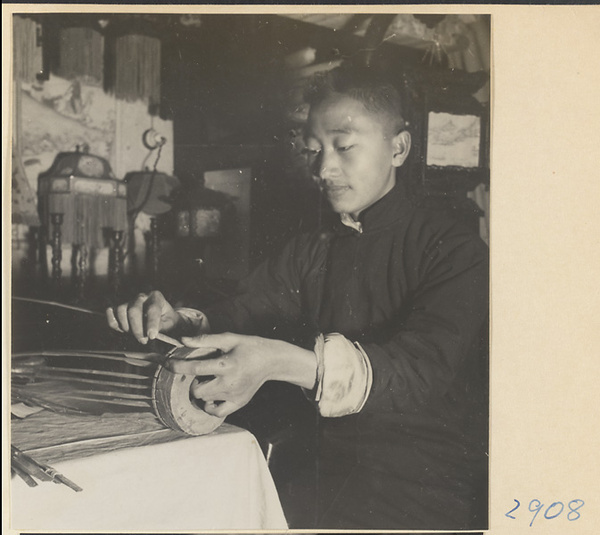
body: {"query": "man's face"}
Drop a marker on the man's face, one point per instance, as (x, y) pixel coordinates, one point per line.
(351, 153)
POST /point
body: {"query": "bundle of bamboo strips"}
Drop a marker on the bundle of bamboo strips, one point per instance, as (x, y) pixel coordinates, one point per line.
(51, 437)
(104, 382)
(84, 382)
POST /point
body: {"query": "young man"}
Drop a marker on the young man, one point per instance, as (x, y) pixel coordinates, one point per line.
(386, 310)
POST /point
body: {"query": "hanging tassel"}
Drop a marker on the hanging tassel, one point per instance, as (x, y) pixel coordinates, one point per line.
(138, 68)
(81, 54)
(27, 55)
(87, 216)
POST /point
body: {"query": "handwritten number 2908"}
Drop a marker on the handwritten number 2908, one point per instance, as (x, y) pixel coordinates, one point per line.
(554, 510)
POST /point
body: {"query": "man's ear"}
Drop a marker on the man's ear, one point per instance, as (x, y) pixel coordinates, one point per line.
(401, 144)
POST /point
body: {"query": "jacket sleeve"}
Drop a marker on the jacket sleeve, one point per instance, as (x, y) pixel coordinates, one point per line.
(440, 331)
(268, 301)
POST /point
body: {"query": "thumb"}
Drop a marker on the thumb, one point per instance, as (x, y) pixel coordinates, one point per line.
(221, 410)
(225, 341)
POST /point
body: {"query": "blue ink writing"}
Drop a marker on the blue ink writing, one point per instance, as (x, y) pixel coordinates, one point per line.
(575, 510)
(513, 509)
(554, 510)
(536, 508)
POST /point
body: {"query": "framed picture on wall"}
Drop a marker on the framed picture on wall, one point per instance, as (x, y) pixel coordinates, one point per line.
(455, 138)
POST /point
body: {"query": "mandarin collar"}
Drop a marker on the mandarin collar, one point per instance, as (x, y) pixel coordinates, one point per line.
(386, 211)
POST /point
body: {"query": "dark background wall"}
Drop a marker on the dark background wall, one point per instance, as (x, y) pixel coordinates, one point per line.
(225, 86)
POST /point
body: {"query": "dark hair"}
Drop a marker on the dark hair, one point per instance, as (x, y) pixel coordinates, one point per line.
(364, 84)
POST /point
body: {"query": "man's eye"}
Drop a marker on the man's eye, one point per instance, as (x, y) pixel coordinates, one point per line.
(345, 148)
(311, 152)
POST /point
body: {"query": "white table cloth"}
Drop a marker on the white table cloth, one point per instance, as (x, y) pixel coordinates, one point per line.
(214, 482)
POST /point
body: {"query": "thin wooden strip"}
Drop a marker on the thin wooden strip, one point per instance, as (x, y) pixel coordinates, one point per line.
(97, 372)
(128, 385)
(108, 355)
(63, 399)
(49, 382)
(63, 389)
(27, 464)
(67, 400)
(168, 340)
(138, 362)
(106, 368)
(112, 395)
(23, 475)
(123, 402)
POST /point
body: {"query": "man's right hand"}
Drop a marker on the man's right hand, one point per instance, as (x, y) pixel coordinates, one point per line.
(144, 317)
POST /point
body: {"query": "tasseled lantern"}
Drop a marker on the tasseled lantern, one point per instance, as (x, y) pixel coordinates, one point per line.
(82, 187)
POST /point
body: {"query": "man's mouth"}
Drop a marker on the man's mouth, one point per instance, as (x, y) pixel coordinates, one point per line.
(335, 189)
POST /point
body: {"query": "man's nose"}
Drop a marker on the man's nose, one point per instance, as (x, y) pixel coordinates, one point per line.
(327, 165)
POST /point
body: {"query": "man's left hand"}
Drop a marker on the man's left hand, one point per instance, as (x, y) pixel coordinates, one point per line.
(245, 364)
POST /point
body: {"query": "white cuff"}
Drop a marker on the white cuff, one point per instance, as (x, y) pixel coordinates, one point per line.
(196, 322)
(346, 379)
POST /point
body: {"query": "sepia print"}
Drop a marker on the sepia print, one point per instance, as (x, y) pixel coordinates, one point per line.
(250, 270)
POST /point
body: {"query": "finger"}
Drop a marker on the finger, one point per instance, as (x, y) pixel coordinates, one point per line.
(154, 310)
(112, 320)
(224, 341)
(153, 320)
(122, 317)
(210, 390)
(222, 409)
(210, 406)
(135, 316)
(216, 366)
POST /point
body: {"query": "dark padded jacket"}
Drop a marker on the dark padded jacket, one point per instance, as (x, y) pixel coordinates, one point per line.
(412, 289)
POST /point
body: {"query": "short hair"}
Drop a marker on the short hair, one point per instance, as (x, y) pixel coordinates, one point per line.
(364, 84)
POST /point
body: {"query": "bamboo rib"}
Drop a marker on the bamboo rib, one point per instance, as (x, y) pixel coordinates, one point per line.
(118, 356)
(75, 397)
(97, 383)
(94, 381)
(97, 372)
(111, 395)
